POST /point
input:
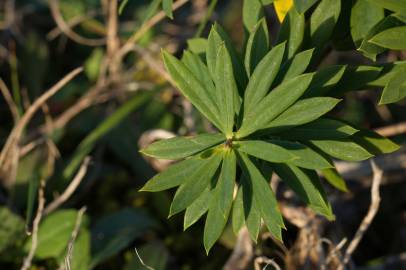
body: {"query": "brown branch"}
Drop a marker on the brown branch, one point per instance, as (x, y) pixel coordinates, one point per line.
(34, 240)
(70, 189)
(392, 130)
(64, 27)
(17, 131)
(74, 235)
(264, 260)
(242, 253)
(9, 100)
(373, 209)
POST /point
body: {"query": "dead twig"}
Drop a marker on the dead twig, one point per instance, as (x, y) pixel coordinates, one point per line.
(70, 189)
(74, 235)
(264, 260)
(242, 254)
(392, 130)
(64, 27)
(373, 209)
(141, 261)
(34, 239)
(9, 100)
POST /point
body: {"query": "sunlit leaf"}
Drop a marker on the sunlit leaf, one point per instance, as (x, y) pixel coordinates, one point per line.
(344, 149)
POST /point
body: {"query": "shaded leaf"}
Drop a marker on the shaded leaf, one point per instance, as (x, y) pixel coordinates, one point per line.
(196, 182)
(292, 31)
(395, 90)
(252, 12)
(307, 186)
(257, 46)
(295, 66)
(154, 254)
(303, 5)
(251, 209)
(222, 200)
(375, 143)
(323, 21)
(11, 229)
(238, 217)
(324, 80)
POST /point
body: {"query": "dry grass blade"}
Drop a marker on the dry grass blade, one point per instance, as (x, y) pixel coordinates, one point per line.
(9, 100)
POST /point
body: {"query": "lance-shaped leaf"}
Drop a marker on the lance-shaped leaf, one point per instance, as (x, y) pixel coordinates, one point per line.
(308, 158)
(201, 72)
(257, 46)
(273, 104)
(195, 184)
(393, 38)
(292, 31)
(344, 149)
(307, 186)
(252, 12)
(361, 21)
(370, 49)
(198, 46)
(324, 80)
(167, 7)
(393, 5)
(175, 175)
(252, 212)
(323, 21)
(216, 38)
(334, 178)
(263, 77)
(264, 197)
(320, 129)
(191, 88)
(395, 90)
(221, 202)
(182, 147)
(266, 151)
(238, 218)
(302, 112)
(197, 208)
(303, 5)
(294, 67)
(375, 143)
(227, 93)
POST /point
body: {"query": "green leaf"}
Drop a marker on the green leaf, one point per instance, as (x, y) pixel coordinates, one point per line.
(196, 182)
(11, 229)
(80, 257)
(151, 10)
(302, 112)
(222, 200)
(86, 146)
(238, 218)
(393, 5)
(281, 98)
(344, 149)
(54, 234)
(252, 13)
(167, 7)
(324, 80)
(174, 176)
(197, 208)
(334, 178)
(323, 21)
(216, 38)
(182, 147)
(375, 143)
(393, 38)
(303, 5)
(308, 158)
(307, 186)
(257, 46)
(33, 186)
(201, 72)
(227, 92)
(364, 15)
(251, 208)
(292, 30)
(198, 46)
(320, 129)
(395, 90)
(295, 66)
(191, 88)
(262, 78)
(265, 150)
(264, 197)
(371, 50)
(115, 232)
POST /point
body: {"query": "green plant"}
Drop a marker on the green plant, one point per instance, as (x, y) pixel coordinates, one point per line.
(270, 115)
